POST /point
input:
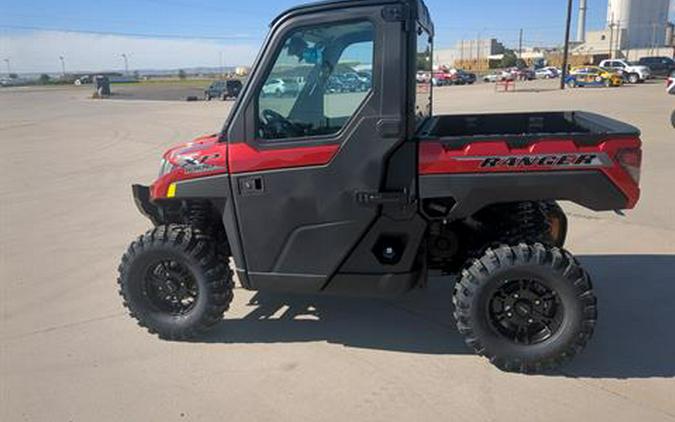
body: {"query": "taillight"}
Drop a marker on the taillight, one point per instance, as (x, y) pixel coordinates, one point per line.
(631, 161)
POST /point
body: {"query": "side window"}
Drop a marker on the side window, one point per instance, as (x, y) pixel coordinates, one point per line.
(423, 100)
(318, 81)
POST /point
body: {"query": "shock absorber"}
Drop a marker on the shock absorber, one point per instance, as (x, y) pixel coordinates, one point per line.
(197, 214)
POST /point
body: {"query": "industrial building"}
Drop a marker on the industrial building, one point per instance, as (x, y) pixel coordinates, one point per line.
(634, 28)
(470, 54)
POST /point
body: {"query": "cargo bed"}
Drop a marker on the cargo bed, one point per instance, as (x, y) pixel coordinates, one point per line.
(583, 127)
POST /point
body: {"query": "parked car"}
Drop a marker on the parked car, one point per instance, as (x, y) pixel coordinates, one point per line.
(223, 90)
(525, 74)
(348, 82)
(547, 73)
(593, 76)
(499, 76)
(281, 87)
(423, 77)
(355, 82)
(466, 78)
(442, 79)
(633, 73)
(659, 66)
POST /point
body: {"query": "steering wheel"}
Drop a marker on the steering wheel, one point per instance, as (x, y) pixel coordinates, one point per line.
(277, 126)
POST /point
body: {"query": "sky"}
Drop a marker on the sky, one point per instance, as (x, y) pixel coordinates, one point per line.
(173, 34)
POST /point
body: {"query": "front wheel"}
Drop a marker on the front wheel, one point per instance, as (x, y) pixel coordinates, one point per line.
(527, 308)
(634, 78)
(174, 282)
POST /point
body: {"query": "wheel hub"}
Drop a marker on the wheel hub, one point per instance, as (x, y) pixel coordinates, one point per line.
(170, 287)
(525, 311)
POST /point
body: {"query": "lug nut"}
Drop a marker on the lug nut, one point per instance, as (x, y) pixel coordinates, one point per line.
(530, 320)
(515, 296)
(509, 314)
(508, 308)
(537, 302)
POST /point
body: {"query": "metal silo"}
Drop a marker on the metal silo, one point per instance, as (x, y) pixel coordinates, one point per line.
(644, 21)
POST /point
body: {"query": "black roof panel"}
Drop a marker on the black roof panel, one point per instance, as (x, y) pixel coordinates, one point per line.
(417, 5)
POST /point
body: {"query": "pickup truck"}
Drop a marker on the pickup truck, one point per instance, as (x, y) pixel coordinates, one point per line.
(368, 193)
(633, 73)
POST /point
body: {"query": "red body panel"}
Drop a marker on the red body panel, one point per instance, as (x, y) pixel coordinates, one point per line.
(245, 159)
(202, 157)
(438, 157)
(206, 156)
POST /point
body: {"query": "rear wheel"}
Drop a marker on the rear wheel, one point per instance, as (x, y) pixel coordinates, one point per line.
(174, 282)
(572, 83)
(527, 308)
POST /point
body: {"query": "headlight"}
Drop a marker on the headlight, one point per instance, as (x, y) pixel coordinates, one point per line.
(165, 167)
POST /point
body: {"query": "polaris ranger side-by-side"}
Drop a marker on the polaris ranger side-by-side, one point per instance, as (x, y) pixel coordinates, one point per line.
(368, 192)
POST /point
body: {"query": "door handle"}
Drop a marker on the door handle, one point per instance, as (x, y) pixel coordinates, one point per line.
(252, 185)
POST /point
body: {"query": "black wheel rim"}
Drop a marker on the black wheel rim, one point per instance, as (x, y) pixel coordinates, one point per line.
(525, 311)
(170, 287)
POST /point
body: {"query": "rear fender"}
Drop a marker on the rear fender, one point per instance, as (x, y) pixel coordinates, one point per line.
(484, 173)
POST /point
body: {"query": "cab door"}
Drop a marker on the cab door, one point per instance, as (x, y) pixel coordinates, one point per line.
(301, 156)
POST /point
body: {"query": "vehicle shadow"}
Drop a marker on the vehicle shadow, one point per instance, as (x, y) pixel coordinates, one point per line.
(634, 337)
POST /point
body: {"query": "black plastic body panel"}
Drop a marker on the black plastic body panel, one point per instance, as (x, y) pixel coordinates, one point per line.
(141, 196)
(472, 192)
(217, 190)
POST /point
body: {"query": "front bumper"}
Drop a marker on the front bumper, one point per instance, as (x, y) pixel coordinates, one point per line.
(145, 206)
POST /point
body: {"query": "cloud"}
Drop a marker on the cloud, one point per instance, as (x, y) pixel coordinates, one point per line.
(39, 51)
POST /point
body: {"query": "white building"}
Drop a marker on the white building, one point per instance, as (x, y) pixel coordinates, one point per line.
(467, 51)
(644, 23)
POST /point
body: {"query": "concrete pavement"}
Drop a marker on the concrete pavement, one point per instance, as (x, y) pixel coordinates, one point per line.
(69, 352)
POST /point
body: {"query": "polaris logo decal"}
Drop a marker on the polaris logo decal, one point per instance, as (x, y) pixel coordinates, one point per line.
(547, 160)
(199, 164)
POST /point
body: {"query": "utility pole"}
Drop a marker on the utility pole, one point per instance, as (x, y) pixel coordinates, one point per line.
(126, 64)
(611, 38)
(478, 52)
(63, 65)
(567, 44)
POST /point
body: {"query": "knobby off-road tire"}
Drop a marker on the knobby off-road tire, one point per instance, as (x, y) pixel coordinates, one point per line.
(481, 294)
(192, 265)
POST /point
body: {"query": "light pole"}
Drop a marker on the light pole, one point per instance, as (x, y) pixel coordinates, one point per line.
(126, 63)
(63, 65)
(567, 44)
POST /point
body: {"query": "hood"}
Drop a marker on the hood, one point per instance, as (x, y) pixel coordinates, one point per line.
(204, 156)
(177, 154)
